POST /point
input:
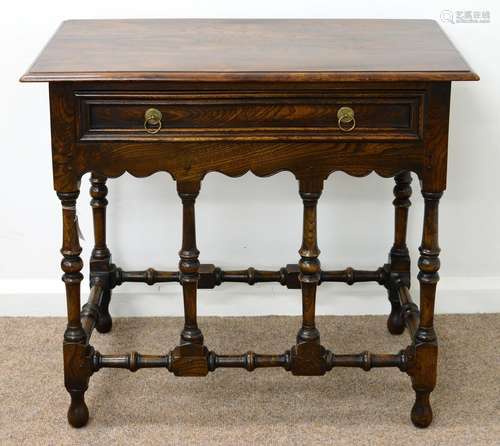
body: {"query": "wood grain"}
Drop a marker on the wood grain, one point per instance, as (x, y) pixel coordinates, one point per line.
(249, 50)
(260, 96)
(382, 115)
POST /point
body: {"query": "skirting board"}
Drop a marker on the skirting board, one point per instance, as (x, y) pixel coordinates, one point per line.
(46, 298)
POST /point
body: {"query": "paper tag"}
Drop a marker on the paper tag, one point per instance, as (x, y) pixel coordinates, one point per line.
(78, 229)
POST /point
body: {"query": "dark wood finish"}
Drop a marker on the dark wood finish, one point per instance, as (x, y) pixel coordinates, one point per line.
(190, 357)
(100, 260)
(424, 376)
(189, 116)
(249, 50)
(189, 264)
(351, 276)
(76, 371)
(250, 361)
(399, 257)
(211, 276)
(149, 276)
(262, 96)
(91, 311)
(357, 154)
(409, 310)
(307, 356)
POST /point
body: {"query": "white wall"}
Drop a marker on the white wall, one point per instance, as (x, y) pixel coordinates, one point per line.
(247, 221)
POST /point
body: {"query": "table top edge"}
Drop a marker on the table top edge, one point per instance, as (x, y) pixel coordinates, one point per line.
(251, 76)
(462, 72)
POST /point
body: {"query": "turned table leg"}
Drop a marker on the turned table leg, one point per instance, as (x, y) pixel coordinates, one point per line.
(308, 354)
(76, 369)
(190, 357)
(100, 261)
(399, 257)
(426, 348)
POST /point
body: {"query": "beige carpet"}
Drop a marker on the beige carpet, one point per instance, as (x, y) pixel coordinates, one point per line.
(265, 407)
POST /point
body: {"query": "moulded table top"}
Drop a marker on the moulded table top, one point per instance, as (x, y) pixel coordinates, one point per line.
(249, 50)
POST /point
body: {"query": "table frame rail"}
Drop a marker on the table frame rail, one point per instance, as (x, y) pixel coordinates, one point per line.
(133, 361)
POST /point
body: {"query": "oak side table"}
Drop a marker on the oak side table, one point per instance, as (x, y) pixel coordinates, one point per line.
(194, 96)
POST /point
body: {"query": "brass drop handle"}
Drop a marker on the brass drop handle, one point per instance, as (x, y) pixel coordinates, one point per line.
(152, 120)
(346, 119)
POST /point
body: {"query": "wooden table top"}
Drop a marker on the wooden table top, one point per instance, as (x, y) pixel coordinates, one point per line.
(249, 50)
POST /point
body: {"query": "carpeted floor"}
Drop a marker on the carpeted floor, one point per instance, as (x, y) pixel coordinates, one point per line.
(265, 407)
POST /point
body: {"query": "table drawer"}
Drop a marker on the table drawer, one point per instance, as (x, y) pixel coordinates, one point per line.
(386, 115)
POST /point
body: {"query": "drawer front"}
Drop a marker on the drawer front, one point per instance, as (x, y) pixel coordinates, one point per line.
(384, 115)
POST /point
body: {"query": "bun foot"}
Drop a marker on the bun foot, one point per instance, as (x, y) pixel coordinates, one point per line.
(421, 412)
(395, 323)
(104, 323)
(78, 412)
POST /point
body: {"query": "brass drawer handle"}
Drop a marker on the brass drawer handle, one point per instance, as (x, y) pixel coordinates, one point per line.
(152, 120)
(346, 120)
